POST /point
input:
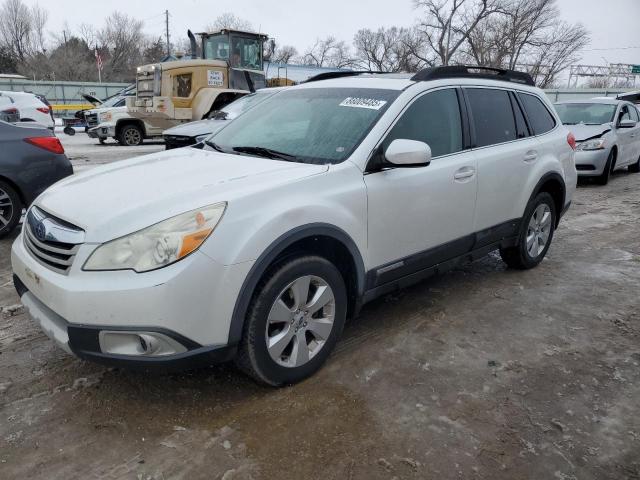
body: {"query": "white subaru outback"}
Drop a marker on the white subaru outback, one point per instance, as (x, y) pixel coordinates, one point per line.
(259, 243)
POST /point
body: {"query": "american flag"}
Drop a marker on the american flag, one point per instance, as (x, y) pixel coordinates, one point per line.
(98, 60)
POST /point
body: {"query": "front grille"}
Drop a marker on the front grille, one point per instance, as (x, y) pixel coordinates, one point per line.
(91, 119)
(177, 141)
(46, 248)
(145, 84)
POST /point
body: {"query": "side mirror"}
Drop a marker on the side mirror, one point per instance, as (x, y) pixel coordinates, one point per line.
(627, 123)
(408, 153)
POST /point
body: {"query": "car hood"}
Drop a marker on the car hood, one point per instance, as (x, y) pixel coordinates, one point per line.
(195, 129)
(91, 99)
(123, 197)
(107, 109)
(584, 132)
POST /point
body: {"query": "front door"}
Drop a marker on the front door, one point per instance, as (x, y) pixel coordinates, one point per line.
(412, 211)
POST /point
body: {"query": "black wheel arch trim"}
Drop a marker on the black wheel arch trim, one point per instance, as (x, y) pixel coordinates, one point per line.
(271, 253)
(123, 122)
(555, 176)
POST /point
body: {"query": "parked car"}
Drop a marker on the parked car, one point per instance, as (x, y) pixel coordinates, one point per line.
(191, 133)
(607, 134)
(111, 119)
(32, 160)
(261, 242)
(31, 108)
(8, 112)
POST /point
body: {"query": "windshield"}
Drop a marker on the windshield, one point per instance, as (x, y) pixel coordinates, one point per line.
(216, 47)
(585, 113)
(116, 101)
(312, 125)
(245, 103)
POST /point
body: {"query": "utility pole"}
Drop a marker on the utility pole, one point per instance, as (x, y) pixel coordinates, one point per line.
(166, 14)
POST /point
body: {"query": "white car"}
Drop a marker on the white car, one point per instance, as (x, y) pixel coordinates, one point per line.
(31, 108)
(258, 244)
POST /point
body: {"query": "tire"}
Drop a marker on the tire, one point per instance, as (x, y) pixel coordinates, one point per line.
(273, 317)
(101, 140)
(536, 227)
(10, 209)
(603, 178)
(635, 168)
(69, 131)
(130, 136)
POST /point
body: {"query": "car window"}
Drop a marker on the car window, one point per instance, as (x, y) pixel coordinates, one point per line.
(315, 125)
(521, 125)
(586, 113)
(634, 114)
(435, 119)
(625, 113)
(492, 116)
(540, 118)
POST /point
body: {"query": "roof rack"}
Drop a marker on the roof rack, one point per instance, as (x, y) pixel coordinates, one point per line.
(473, 71)
(337, 74)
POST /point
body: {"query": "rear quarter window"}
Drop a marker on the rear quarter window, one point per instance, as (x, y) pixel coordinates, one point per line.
(540, 119)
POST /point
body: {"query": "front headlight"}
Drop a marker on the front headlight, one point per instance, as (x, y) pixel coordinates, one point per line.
(158, 245)
(595, 144)
(105, 117)
(202, 138)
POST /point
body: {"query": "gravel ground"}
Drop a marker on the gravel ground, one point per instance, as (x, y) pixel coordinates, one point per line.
(480, 373)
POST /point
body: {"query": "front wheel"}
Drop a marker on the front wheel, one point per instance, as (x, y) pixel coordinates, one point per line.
(294, 321)
(10, 209)
(130, 136)
(603, 178)
(536, 233)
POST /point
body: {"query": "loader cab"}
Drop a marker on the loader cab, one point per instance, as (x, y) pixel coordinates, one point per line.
(242, 50)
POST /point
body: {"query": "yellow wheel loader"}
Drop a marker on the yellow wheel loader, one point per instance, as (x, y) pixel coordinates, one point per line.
(174, 92)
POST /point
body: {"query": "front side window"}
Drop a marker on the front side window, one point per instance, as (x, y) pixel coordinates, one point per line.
(216, 47)
(311, 125)
(634, 113)
(585, 113)
(434, 119)
(539, 117)
(625, 114)
(492, 116)
(245, 53)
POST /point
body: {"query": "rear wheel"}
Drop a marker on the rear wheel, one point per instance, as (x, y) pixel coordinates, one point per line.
(603, 178)
(130, 135)
(535, 236)
(294, 321)
(10, 208)
(635, 168)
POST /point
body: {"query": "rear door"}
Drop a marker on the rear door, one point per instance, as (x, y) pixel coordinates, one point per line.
(506, 154)
(411, 211)
(635, 135)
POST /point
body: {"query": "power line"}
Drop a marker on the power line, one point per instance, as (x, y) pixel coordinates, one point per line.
(611, 48)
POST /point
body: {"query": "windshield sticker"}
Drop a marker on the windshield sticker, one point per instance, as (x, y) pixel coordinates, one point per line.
(215, 78)
(370, 103)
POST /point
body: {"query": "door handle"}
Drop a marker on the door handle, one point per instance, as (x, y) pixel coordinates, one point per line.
(464, 172)
(531, 156)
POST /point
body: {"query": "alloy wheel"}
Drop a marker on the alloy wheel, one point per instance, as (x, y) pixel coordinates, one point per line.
(6, 209)
(538, 230)
(132, 136)
(300, 321)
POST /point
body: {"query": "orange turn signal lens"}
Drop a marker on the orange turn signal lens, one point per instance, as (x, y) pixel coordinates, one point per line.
(193, 241)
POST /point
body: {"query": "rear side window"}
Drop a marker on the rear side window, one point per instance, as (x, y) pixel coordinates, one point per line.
(539, 117)
(521, 124)
(492, 116)
(634, 113)
(434, 118)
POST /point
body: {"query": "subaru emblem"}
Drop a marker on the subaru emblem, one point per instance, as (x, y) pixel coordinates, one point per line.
(41, 231)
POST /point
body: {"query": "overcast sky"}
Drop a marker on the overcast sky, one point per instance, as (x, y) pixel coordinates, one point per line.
(614, 24)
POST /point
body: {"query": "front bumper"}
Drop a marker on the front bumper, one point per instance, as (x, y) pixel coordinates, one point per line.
(102, 131)
(190, 302)
(591, 163)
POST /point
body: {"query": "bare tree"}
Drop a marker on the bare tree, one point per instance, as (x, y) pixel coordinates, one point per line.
(88, 34)
(447, 24)
(122, 37)
(389, 50)
(230, 21)
(39, 18)
(328, 52)
(285, 54)
(16, 28)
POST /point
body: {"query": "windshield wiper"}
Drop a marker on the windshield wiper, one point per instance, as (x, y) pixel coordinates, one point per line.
(267, 153)
(215, 146)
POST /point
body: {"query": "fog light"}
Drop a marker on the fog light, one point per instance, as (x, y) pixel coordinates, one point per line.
(149, 344)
